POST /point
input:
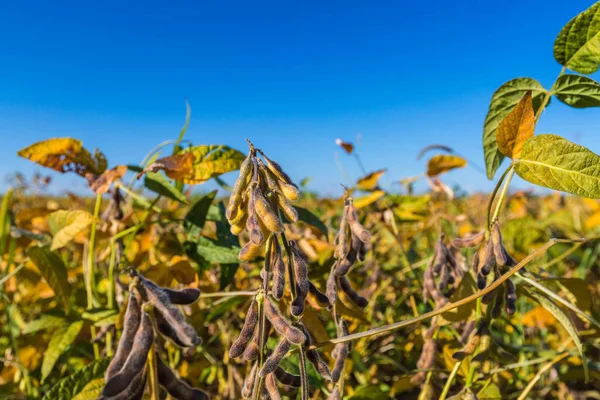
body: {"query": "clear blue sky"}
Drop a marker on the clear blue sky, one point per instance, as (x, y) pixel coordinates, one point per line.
(291, 76)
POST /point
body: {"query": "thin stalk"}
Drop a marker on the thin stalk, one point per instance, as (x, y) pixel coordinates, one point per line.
(341, 168)
(450, 306)
(360, 164)
(541, 372)
(153, 374)
(89, 278)
(111, 294)
(228, 294)
(303, 373)
(493, 196)
(450, 380)
(11, 274)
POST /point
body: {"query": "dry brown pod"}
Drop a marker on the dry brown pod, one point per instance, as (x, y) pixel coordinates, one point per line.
(439, 255)
(239, 187)
(249, 382)
(271, 386)
(426, 360)
(321, 297)
(282, 325)
(131, 324)
(256, 235)
(351, 293)
(469, 241)
(510, 297)
(278, 269)
(136, 360)
(177, 388)
(431, 288)
(249, 252)
(275, 358)
(288, 378)
(267, 214)
(314, 357)
(288, 210)
(135, 389)
(250, 323)
(340, 352)
(182, 297)
(301, 279)
(331, 291)
(341, 238)
(277, 170)
(186, 334)
(357, 229)
(169, 331)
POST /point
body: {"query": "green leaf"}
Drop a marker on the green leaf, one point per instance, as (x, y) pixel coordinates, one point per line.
(62, 338)
(577, 46)
(69, 387)
(561, 317)
(491, 391)
(212, 251)
(92, 390)
(158, 183)
(227, 273)
(466, 288)
(503, 101)
(43, 323)
(309, 218)
(54, 272)
(216, 213)
(196, 216)
(65, 225)
(554, 162)
(577, 91)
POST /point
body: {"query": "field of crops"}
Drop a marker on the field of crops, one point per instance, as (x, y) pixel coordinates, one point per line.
(151, 287)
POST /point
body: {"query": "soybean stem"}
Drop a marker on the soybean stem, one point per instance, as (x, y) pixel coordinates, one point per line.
(501, 199)
(89, 279)
(450, 380)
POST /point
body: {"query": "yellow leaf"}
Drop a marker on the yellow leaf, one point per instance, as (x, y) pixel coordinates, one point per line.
(30, 357)
(516, 128)
(444, 163)
(102, 183)
(593, 221)
(538, 317)
(368, 199)
(182, 270)
(65, 225)
(314, 325)
(65, 155)
(369, 182)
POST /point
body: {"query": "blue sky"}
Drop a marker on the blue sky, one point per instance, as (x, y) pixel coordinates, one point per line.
(291, 76)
